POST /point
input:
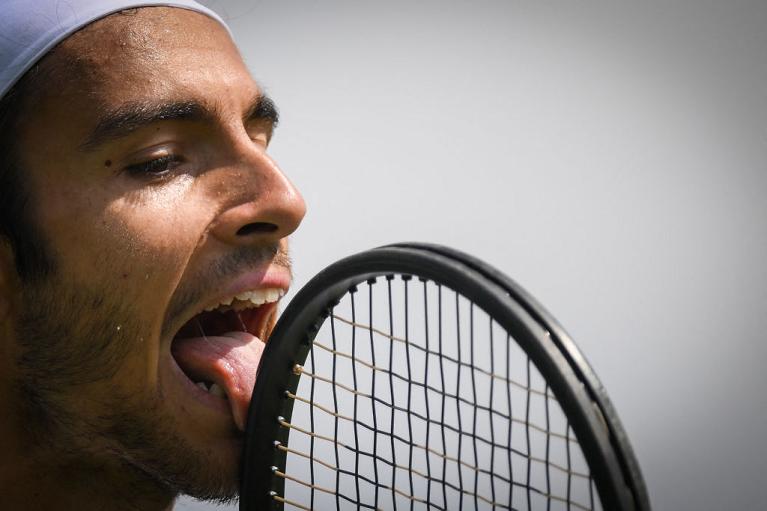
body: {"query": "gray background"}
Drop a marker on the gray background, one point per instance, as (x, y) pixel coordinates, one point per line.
(612, 158)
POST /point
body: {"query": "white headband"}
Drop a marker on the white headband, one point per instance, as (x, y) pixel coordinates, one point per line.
(30, 28)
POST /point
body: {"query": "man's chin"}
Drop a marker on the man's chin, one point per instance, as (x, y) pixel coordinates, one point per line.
(177, 455)
(206, 474)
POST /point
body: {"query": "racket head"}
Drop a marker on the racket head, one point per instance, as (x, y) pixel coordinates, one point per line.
(592, 418)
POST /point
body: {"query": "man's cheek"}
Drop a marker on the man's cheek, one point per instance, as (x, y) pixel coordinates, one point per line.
(155, 236)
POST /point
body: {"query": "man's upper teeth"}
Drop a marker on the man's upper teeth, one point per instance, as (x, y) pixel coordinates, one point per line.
(257, 297)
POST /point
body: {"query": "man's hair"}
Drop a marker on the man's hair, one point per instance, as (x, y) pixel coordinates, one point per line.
(17, 226)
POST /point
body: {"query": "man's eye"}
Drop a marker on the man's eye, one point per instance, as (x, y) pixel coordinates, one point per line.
(260, 140)
(154, 168)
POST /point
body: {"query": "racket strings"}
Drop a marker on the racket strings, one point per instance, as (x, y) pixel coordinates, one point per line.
(387, 462)
(413, 471)
(427, 387)
(377, 458)
(428, 352)
(490, 442)
(415, 399)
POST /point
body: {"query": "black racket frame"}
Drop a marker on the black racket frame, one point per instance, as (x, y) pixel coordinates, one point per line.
(605, 445)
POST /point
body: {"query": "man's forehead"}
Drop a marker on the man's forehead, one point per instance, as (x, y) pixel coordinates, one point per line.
(147, 35)
(147, 29)
(160, 53)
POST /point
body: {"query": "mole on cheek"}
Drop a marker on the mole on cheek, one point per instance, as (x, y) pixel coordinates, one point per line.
(108, 163)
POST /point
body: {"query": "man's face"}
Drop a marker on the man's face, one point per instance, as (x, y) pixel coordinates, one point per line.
(153, 191)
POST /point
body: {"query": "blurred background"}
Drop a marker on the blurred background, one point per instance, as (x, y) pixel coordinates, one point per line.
(610, 157)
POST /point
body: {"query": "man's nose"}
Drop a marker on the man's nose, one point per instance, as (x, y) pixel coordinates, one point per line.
(264, 206)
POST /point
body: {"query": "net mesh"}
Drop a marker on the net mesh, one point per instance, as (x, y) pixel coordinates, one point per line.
(415, 398)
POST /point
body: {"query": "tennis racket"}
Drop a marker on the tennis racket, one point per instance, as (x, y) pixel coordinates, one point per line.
(414, 376)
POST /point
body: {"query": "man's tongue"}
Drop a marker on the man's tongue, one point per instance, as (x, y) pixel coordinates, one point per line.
(229, 359)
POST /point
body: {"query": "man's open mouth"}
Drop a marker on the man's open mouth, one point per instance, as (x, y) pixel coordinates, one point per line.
(219, 349)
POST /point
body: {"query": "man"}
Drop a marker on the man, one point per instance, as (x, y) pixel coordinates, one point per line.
(143, 251)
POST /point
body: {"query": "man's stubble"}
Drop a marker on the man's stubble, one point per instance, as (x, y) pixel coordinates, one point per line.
(71, 337)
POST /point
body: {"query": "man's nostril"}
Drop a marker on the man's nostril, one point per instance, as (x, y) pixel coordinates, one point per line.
(256, 227)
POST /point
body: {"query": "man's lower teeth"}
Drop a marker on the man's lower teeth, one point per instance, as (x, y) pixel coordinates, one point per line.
(214, 389)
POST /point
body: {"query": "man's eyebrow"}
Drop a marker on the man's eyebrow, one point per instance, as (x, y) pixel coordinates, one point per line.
(263, 109)
(132, 116)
